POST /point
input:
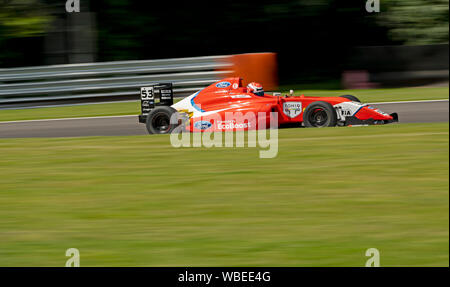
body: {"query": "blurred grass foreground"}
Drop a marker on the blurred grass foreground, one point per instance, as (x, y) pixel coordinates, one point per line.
(136, 201)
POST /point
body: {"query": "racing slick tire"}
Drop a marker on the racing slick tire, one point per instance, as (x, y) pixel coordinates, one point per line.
(351, 98)
(319, 114)
(158, 120)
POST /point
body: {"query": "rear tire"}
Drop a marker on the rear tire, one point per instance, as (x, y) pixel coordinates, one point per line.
(158, 120)
(351, 98)
(319, 114)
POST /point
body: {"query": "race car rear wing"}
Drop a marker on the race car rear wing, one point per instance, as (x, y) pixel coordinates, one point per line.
(156, 95)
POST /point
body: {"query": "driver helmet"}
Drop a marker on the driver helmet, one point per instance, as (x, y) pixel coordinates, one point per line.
(255, 88)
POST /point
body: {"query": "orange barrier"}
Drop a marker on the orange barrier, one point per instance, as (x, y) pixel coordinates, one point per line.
(256, 67)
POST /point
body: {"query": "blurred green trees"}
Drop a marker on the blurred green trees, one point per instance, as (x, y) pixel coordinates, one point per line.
(20, 19)
(309, 35)
(417, 22)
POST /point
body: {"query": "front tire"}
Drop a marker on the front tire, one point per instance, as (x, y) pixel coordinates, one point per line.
(320, 114)
(158, 120)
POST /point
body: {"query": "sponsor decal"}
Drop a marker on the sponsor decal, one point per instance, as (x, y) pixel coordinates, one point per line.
(240, 96)
(348, 109)
(381, 112)
(292, 109)
(231, 124)
(346, 113)
(223, 85)
(235, 86)
(377, 110)
(202, 125)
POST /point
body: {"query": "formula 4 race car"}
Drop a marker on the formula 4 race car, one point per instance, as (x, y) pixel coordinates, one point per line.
(209, 109)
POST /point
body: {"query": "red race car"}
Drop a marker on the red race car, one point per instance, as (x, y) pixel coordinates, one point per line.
(228, 106)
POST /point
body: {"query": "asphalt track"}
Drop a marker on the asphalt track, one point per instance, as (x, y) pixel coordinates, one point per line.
(409, 112)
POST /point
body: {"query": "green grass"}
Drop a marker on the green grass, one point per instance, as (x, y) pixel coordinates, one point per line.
(132, 108)
(88, 110)
(328, 196)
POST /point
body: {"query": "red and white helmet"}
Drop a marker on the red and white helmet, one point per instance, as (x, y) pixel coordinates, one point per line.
(255, 88)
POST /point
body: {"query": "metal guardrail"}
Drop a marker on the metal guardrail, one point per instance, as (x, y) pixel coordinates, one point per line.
(108, 80)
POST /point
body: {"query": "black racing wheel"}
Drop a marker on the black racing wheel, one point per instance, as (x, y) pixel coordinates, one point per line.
(320, 114)
(158, 120)
(351, 98)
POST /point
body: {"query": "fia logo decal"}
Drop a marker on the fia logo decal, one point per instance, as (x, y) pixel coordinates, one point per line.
(346, 113)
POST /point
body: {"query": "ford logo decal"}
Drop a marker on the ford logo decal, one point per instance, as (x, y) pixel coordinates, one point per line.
(223, 85)
(202, 125)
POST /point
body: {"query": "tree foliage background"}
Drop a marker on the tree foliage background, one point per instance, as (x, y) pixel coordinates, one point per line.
(21, 23)
(417, 22)
(311, 37)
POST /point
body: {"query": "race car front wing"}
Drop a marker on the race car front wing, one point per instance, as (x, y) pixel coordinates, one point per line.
(354, 121)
